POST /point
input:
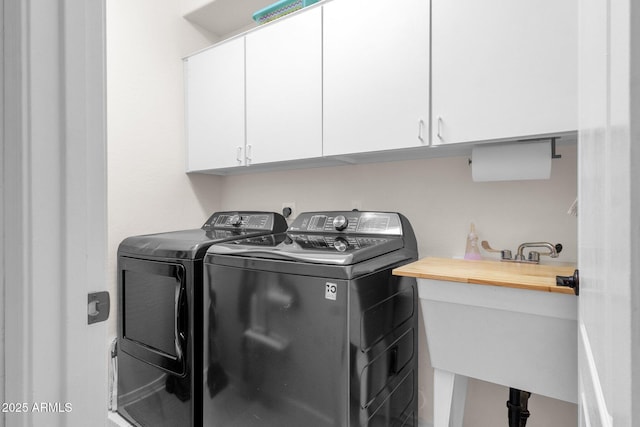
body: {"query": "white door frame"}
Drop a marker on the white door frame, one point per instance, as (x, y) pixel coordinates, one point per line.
(609, 208)
(53, 207)
(2, 180)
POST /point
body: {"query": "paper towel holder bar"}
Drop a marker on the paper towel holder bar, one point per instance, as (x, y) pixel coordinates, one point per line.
(553, 139)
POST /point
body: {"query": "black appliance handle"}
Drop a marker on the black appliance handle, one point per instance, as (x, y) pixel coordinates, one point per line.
(181, 325)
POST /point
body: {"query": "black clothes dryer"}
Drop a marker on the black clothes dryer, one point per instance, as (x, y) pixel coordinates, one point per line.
(160, 317)
(310, 327)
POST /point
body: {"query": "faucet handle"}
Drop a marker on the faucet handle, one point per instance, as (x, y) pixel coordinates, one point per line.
(534, 256)
(504, 253)
(552, 254)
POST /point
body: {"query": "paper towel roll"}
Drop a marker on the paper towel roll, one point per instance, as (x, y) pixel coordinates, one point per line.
(511, 162)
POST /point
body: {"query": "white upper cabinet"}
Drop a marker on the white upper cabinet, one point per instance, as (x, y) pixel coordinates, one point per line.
(376, 75)
(215, 107)
(284, 89)
(503, 69)
(369, 76)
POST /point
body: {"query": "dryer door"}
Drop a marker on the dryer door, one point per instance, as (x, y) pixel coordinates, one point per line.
(153, 315)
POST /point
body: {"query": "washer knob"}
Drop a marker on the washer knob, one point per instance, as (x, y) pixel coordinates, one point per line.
(340, 222)
(236, 220)
(340, 244)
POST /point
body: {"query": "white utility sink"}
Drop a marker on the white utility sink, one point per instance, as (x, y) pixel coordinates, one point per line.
(524, 337)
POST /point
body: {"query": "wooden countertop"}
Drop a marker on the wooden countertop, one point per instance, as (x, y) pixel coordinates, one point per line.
(485, 272)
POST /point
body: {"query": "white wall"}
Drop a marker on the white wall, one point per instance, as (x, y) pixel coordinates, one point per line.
(148, 189)
(437, 195)
(440, 199)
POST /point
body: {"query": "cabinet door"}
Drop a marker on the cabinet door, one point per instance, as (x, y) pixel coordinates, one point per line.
(284, 89)
(215, 107)
(376, 75)
(503, 69)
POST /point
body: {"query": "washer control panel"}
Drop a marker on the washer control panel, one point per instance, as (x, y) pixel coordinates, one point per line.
(356, 222)
(336, 243)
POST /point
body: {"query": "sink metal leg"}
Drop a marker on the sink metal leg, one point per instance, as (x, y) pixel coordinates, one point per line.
(517, 404)
(450, 393)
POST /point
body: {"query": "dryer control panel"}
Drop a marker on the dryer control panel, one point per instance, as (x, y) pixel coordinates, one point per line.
(243, 221)
(355, 222)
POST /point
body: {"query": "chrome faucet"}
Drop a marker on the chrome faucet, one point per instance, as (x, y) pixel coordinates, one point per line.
(532, 257)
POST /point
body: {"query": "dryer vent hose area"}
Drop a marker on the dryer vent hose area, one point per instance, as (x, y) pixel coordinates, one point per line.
(113, 375)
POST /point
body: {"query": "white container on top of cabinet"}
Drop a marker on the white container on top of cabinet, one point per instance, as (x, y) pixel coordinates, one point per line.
(375, 75)
(503, 69)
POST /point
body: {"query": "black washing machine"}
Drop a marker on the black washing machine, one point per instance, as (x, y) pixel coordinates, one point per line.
(309, 327)
(160, 317)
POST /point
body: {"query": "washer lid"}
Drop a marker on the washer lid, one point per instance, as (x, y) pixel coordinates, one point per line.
(327, 249)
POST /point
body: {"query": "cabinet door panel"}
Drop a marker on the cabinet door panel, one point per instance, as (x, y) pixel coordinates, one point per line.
(284, 89)
(215, 107)
(503, 69)
(376, 75)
